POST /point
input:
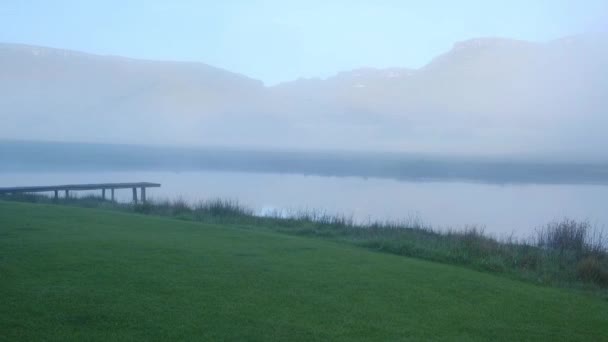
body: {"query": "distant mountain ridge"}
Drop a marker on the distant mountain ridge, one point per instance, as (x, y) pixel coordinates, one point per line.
(484, 96)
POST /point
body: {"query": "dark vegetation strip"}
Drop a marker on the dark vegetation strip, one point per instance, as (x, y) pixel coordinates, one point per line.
(20, 156)
(564, 253)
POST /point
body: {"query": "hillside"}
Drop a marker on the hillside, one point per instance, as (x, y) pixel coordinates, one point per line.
(90, 97)
(483, 96)
(74, 274)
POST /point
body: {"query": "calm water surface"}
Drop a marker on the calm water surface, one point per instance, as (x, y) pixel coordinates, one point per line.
(502, 209)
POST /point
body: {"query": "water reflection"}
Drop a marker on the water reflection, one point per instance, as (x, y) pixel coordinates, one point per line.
(502, 209)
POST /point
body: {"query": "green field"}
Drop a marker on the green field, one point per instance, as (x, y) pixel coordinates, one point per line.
(88, 274)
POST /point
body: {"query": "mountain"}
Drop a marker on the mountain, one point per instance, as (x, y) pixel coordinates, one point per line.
(484, 96)
(66, 94)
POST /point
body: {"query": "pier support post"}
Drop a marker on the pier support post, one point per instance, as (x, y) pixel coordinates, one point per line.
(67, 194)
(112, 191)
(103, 194)
(56, 195)
(135, 195)
(143, 195)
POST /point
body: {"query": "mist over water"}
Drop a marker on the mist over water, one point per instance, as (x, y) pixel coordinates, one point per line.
(503, 195)
(501, 209)
(499, 123)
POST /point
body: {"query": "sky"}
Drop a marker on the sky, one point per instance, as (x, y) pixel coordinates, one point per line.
(276, 40)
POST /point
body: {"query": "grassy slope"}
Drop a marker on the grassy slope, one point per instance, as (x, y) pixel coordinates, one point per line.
(70, 273)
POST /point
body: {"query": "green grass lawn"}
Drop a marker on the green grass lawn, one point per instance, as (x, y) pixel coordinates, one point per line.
(87, 274)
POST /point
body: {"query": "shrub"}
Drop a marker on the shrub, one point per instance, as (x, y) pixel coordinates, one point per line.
(591, 269)
(565, 235)
(221, 208)
(144, 208)
(528, 260)
(180, 207)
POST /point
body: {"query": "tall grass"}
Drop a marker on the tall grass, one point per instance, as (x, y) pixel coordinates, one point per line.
(563, 253)
(216, 210)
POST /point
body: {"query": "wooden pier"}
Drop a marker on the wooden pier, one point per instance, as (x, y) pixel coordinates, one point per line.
(85, 187)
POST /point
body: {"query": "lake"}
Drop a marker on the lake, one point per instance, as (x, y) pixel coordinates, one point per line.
(501, 209)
